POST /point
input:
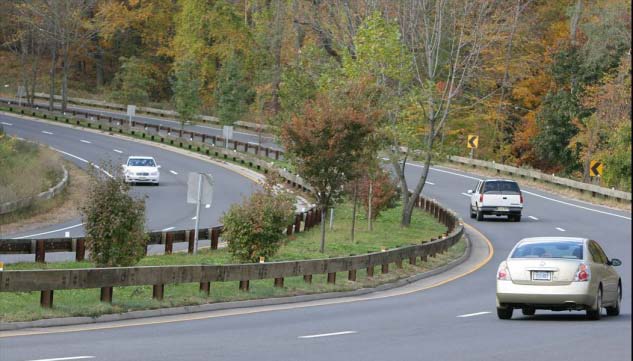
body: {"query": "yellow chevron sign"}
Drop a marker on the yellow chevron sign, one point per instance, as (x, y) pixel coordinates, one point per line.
(596, 168)
(473, 141)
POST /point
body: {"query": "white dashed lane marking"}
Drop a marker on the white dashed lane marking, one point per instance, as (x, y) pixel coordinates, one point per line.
(328, 334)
(85, 141)
(172, 172)
(532, 217)
(474, 314)
(168, 229)
(118, 151)
(47, 132)
(5, 123)
(560, 229)
(65, 358)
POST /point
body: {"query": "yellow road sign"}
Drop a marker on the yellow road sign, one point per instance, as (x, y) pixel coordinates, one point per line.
(596, 168)
(473, 141)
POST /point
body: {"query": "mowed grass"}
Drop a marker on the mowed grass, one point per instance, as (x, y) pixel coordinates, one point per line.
(387, 233)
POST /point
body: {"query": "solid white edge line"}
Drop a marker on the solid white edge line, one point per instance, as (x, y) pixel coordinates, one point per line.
(118, 151)
(65, 358)
(560, 229)
(431, 183)
(534, 218)
(46, 132)
(5, 123)
(172, 172)
(85, 141)
(474, 314)
(49, 232)
(70, 155)
(328, 334)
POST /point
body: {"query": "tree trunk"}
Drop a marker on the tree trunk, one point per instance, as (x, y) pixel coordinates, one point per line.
(369, 200)
(65, 69)
(51, 95)
(99, 65)
(355, 202)
(407, 209)
(323, 217)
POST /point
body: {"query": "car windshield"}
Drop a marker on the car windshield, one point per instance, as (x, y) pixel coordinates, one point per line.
(141, 162)
(570, 250)
(501, 187)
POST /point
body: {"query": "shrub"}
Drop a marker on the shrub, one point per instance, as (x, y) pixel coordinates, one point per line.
(255, 228)
(383, 193)
(114, 222)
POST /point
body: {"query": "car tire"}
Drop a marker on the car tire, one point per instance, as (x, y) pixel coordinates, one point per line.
(528, 311)
(470, 210)
(594, 312)
(515, 218)
(615, 310)
(480, 215)
(504, 313)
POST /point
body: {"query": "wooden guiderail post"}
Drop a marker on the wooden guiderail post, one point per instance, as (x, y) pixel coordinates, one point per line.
(40, 252)
(279, 282)
(298, 223)
(352, 275)
(189, 239)
(385, 268)
(169, 242)
(205, 287)
(289, 230)
(215, 236)
(331, 277)
(307, 279)
(399, 263)
(106, 294)
(46, 299)
(370, 271)
(158, 292)
(244, 285)
(80, 250)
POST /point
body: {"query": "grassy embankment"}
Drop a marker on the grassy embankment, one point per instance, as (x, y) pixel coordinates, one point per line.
(387, 233)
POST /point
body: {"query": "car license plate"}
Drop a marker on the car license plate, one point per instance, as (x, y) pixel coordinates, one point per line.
(502, 209)
(541, 276)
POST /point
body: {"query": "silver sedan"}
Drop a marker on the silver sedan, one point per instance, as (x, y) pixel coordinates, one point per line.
(558, 273)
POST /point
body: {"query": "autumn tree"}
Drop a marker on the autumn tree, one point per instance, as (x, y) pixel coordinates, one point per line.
(324, 143)
(232, 93)
(132, 83)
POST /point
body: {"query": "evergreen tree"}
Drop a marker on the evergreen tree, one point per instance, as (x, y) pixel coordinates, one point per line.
(232, 92)
(186, 88)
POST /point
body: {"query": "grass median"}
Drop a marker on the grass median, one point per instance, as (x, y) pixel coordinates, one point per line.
(387, 233)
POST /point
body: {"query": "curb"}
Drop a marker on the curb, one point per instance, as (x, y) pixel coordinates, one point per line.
(71, 321)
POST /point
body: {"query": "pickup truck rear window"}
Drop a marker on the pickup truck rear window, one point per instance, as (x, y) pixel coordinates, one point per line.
(501, 187)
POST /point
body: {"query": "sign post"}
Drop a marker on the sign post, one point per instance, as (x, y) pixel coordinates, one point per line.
(21, 93)
(199, 189)
(595, 169)
(473, 143)
(227, 133)
(131, 111)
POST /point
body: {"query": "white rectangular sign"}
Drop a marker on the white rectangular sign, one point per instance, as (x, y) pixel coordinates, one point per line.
(227, 132)
(131, 110)
(206, 193)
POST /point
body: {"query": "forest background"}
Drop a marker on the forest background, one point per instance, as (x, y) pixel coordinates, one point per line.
(544, 84)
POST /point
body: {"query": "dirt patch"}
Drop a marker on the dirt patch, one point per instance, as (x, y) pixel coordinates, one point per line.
(566, 192)
(59, 209)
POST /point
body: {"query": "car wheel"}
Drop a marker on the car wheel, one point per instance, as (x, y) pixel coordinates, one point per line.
(504, 312)
(515, 218)
(615, 310)
(480, 215)
(594, 312)
(470, 210)
(528, 311)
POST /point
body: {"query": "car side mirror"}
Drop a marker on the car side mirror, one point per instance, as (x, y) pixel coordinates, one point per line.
(123, 165)
(615, 262)
(157, 166)
(470, 191)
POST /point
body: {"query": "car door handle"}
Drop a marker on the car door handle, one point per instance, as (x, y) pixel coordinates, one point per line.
(505, 197)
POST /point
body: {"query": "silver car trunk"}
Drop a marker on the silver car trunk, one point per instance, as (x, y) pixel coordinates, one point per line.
(542, 271)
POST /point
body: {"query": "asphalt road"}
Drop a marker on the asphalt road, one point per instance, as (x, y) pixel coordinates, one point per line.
(166, 204)
(455, 321)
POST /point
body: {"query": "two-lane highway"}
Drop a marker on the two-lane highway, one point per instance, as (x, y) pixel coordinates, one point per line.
(453, 321)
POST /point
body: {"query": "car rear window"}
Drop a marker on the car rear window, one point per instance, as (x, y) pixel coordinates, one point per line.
(140, 162)
(501, 187)
(570, 250)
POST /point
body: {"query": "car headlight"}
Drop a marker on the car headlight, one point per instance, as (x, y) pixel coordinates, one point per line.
(154, 174)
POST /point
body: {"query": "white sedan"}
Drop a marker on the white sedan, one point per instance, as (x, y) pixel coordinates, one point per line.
(141, 170)
(558, 273)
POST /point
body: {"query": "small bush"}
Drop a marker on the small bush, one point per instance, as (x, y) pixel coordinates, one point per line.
(114, 222)
(384, 193)
(255, 228)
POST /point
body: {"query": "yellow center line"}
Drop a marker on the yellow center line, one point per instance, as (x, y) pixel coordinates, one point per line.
(253, 310)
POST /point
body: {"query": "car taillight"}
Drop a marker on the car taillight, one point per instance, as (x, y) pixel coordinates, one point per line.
(503, 273)
(583, 274)
(521, 197)
(481, 198)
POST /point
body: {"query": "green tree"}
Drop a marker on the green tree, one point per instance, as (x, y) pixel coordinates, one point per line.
(186, 89)
(255, 228)
(132, 82)
(114, 222)
(232, 93)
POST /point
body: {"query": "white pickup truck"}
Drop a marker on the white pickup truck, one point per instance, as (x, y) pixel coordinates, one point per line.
(500, 197)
